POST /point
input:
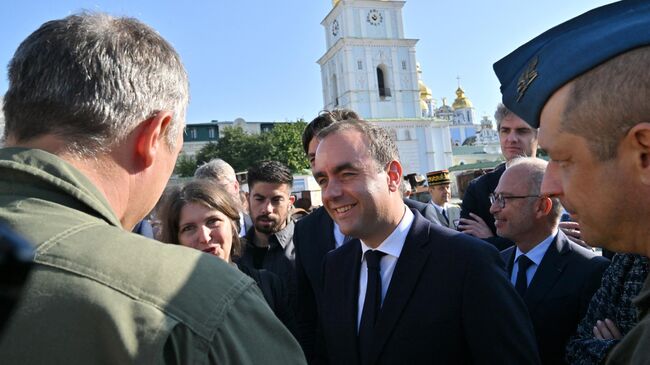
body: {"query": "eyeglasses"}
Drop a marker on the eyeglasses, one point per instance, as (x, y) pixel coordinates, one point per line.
(501, 199)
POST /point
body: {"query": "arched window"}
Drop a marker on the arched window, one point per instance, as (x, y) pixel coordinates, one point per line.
(382, 85)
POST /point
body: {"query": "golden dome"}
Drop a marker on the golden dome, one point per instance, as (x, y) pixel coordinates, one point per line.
(461, 100)
(425, 92)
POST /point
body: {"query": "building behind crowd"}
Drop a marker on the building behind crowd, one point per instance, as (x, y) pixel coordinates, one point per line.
(370, 67)
(198, 135)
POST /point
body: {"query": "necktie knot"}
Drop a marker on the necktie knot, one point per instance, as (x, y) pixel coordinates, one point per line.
(524, 262)
(372, 259)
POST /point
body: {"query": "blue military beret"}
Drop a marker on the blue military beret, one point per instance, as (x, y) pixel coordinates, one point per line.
(534, 71)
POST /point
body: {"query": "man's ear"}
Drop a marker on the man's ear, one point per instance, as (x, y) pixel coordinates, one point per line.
(152, 137)
(292, 199)
(394, 173)
(545, 206)
(639, 136)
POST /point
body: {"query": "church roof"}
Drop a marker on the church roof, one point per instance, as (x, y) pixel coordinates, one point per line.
(461, 100)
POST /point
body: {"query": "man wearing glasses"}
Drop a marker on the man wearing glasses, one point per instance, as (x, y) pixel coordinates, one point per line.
(555, 277)
(517, 139)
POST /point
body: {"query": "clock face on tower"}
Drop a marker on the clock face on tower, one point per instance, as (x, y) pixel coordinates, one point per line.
(374, 17)
(335, 28)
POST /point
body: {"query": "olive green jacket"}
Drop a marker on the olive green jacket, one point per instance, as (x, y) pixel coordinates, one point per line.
(99, 294)
(634, 348)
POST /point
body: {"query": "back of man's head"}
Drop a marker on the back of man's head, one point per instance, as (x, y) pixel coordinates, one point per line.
(324, 119)
(217, 170)
(89, 79)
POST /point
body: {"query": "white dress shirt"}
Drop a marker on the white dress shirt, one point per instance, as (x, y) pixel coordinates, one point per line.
(339, 237)
(392, 247)
(535, 255)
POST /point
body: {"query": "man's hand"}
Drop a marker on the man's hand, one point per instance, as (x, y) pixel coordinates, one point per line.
(607, 330)
(475, 227)
(572, 230)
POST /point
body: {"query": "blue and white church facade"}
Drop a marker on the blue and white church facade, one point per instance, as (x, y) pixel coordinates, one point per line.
(370, 67)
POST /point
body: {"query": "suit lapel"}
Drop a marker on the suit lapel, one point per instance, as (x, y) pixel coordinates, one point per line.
(405, 278)
(508, 255)
(326, 241)
(548, 272)
(441, 218)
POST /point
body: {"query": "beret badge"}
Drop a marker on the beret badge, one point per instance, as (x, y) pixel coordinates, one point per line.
(526, 78)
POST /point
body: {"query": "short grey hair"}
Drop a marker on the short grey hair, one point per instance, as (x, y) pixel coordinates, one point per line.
(501, 113)
(90, 79)
(535, 168)
(217, 170)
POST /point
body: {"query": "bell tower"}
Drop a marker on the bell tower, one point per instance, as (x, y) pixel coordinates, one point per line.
(369, 66)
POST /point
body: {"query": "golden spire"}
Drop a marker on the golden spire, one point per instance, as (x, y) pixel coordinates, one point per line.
(461, 100)
(334, 2)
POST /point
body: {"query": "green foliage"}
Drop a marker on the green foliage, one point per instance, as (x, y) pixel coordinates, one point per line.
(240, 149)
(286, 145)
(185, 166)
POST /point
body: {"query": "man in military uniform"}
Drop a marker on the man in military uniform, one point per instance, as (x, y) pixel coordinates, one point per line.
(94, 117)
(447, 214)
(585, 84)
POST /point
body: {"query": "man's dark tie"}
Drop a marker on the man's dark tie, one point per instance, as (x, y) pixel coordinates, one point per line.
(444, 214)
(522, 282)
(371, 304)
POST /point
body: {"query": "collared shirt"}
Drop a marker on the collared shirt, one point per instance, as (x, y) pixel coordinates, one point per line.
(438, 207)
(339, 237)
(535, 255)
(392, 247)
(280, 246)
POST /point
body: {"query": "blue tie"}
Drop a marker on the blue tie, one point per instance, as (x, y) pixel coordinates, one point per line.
(371, 304)
(522, 280)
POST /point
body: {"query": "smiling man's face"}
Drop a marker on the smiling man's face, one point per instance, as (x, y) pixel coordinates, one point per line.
(355, 190)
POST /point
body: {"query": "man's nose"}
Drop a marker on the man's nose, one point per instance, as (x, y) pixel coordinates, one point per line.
(494, 207)
(551, 184)
(511, 137)
(267, 207)
(332, 190)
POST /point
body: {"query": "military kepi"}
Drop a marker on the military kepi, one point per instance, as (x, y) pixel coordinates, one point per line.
(438, 177)
(532, 73)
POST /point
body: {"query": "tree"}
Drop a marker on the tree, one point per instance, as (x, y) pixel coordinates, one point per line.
(185, 166)
(285, 145)
(241, 150)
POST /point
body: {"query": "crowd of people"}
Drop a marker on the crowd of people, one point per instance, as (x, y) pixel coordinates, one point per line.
(94, 117)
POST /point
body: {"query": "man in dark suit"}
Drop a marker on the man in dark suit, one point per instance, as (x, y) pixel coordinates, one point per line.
(406, 290)
(555, 277)
(517, 138)
(317, 234)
